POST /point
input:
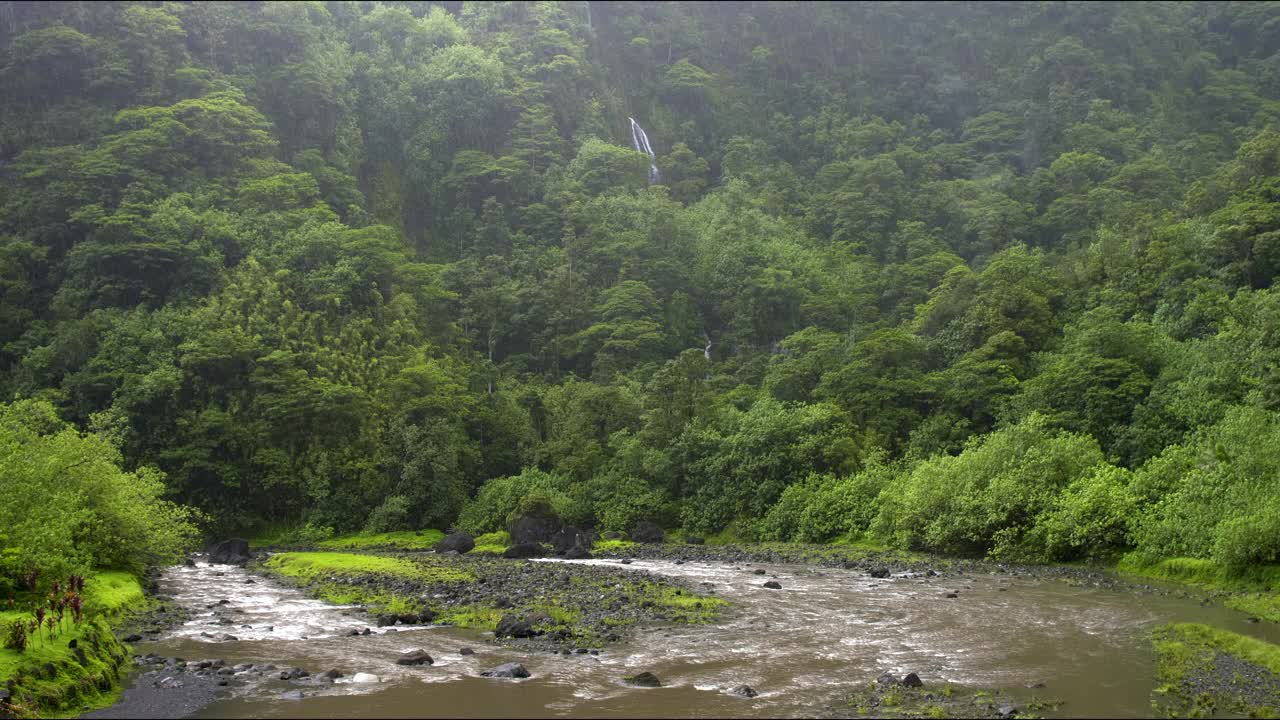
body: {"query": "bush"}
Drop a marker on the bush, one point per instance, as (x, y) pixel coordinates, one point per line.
(499, 498)
(845, 507)
(66, 506)
(392, 514)
(1215, 497)
(986, 499)
(1090, 519)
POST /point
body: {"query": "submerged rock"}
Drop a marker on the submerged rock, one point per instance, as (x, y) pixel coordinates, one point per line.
(744, 691)
(773, 585)
(644, 679)
(508, 670)
(879, 572)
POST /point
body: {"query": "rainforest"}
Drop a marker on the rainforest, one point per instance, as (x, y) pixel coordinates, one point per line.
(890, 298)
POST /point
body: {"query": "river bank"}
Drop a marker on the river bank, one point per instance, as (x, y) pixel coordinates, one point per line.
(810, 630)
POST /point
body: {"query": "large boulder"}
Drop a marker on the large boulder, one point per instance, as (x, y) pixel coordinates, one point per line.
(458, 542)
(522, 551)
(578, 552)
(646, 532)
(534, 528)
(230, 552)
(568, 537)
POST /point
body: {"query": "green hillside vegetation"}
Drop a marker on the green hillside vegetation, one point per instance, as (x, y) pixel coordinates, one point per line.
(984, 279)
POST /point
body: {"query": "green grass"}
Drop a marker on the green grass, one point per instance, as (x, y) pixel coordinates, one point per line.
(1185, 651)
(1255, 590)
(475, 617)
(611, 545)
(494, 542)
(401, 540)
(107, 596)
(314, 566)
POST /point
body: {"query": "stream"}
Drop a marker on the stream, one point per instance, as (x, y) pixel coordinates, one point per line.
(803, 647)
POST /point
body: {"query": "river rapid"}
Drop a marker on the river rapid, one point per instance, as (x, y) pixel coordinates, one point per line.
(803, 647)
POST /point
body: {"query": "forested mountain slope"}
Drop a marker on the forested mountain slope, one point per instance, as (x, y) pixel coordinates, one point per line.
(972, 277)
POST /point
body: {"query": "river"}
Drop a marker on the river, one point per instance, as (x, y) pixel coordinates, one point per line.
(803, 647)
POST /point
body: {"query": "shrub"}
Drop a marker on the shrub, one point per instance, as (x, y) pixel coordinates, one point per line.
(66, 506)
(392, 514)
(987, 498)
(845, 507)
(1090, 519)
(499, 498)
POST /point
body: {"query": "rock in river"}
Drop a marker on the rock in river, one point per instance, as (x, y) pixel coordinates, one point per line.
(644, 679)
(365, 678)
(415, 657)
(230, 552)
(509, 670)
(513, 626)
(745, 691)
(912, 680)
(773, 585)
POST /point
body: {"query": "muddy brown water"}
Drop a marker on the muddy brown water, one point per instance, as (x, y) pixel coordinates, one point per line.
(803, 648)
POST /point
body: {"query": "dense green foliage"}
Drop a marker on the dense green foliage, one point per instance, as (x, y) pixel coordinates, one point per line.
(66, 506)
(990, 278)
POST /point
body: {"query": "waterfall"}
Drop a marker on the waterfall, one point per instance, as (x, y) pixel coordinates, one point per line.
(641, 142)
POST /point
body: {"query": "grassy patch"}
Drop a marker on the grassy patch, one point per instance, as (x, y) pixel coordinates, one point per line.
(50, 675)
(409, 540)
(1254, 591)
(473, 616)
(311, 566)
(494, 542)
(611, 545)
(1204, 671)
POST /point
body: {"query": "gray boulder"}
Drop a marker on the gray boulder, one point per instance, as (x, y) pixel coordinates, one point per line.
(458, 542)
(509, 670)
(230, 552)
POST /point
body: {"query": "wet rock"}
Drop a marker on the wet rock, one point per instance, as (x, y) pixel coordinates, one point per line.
(509, 670)
(366, 631)
(132, 638)
(912, 680)
(1034, 685)
(879, 572)
(415, 657)
(626, 561)
(459, 542)
(170, 683)
(292, 695)
(466, 651)
(568, 537)
(230, 552)
(952, 595)
(744, 691)
(537, 526)
(1007, 711)
(522, 551)
(224, 637)
(365, 678)
(243, 667)
(887, 679)
(513, 626)
(758, 571)
(189, 562)
(646, 532)
(773, 585)
(331, 674)
(644, 679)
(250, 581)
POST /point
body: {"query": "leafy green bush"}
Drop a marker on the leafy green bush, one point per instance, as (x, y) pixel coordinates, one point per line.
(392, 514)
(499, 498)
(1216, 495)
(1091, 518)
(986, 499)
(847, 506)
(66, 506)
